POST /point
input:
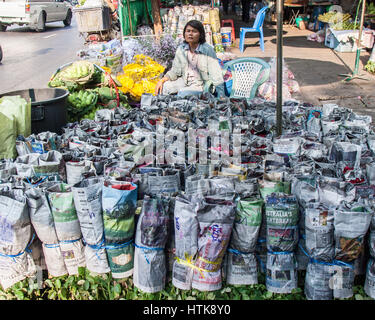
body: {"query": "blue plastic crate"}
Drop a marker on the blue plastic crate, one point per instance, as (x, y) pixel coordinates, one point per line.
(333, 43)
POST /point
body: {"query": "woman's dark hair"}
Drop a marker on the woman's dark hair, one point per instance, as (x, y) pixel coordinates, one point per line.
(199, 26)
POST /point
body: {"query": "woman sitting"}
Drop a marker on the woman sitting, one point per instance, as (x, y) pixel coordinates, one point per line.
(195, 65)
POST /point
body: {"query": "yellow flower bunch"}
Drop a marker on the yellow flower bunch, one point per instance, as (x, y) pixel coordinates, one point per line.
(140, 77)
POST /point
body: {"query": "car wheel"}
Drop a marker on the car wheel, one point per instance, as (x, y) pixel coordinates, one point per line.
(3, 27)
(1, 54)
(41, 26)
(68, 19)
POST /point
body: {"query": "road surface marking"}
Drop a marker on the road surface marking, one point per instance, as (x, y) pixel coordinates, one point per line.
(52, 35)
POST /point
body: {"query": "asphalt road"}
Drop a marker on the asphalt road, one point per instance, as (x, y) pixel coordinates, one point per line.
(31, 58)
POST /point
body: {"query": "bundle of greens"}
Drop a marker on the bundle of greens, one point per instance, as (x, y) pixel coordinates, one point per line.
(370, 66)
(81, 103)
(78, 75)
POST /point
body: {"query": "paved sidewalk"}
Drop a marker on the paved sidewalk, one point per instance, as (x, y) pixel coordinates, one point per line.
(316, 67)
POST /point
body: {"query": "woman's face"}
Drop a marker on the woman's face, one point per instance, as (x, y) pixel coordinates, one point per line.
(191, 35)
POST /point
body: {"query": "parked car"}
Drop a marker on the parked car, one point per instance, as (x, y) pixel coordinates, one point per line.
(34, 13)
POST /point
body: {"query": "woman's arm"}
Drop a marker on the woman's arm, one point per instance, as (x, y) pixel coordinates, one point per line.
(160, 84)
(176, 70)
(215, 73)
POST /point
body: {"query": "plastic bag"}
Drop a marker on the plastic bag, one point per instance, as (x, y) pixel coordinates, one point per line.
(21, 110)
(8, 134)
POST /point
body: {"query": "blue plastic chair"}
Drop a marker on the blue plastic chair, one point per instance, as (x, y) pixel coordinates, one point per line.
(247, 75)
(257, 27)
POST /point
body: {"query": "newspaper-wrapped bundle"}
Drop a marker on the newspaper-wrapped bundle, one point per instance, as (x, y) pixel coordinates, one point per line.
(371, 240)
(216, 218)
(198, 185)
(44, 226)
(241, 266)
(119, 202)
(7, 169)
(313, 123)
(351, 223)
(186, 228)
(343, 280)
(87, 196)
(319, 232)
(141, 174)
(150, 240)
(332, 192)
(301, 253)
(370, 278)
(67, 226)
(76, 171)
(24, 164)
(16, 262)
(169, 183)
(347, 152)
(305, 188)
(282, 222)
(318, 281)
(281, 276)
(50, 165)
(330, 125)
(170, 248)
(267, 187)
(302, 256)
(370, 173)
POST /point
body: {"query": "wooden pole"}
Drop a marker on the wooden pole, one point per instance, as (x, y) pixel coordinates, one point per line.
(158, 28)
(130, 18)
(279, 73)
(359, 45)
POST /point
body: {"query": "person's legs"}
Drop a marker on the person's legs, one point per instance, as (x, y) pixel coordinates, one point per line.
(190, 90)
(171, 87)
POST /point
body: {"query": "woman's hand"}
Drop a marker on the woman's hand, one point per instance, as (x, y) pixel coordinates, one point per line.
(159, 85)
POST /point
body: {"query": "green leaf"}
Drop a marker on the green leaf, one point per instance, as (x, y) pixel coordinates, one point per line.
(19, 294)
(211, 296)
(245, 296)
(49, 283)
(52, 295)
(358, 297)
(64, 294)
(268, 295)
(191, 298)
(58, 283)
(117, 288)
(86, 285)
(81, 271)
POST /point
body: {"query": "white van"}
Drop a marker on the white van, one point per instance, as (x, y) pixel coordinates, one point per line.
(34, 13)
